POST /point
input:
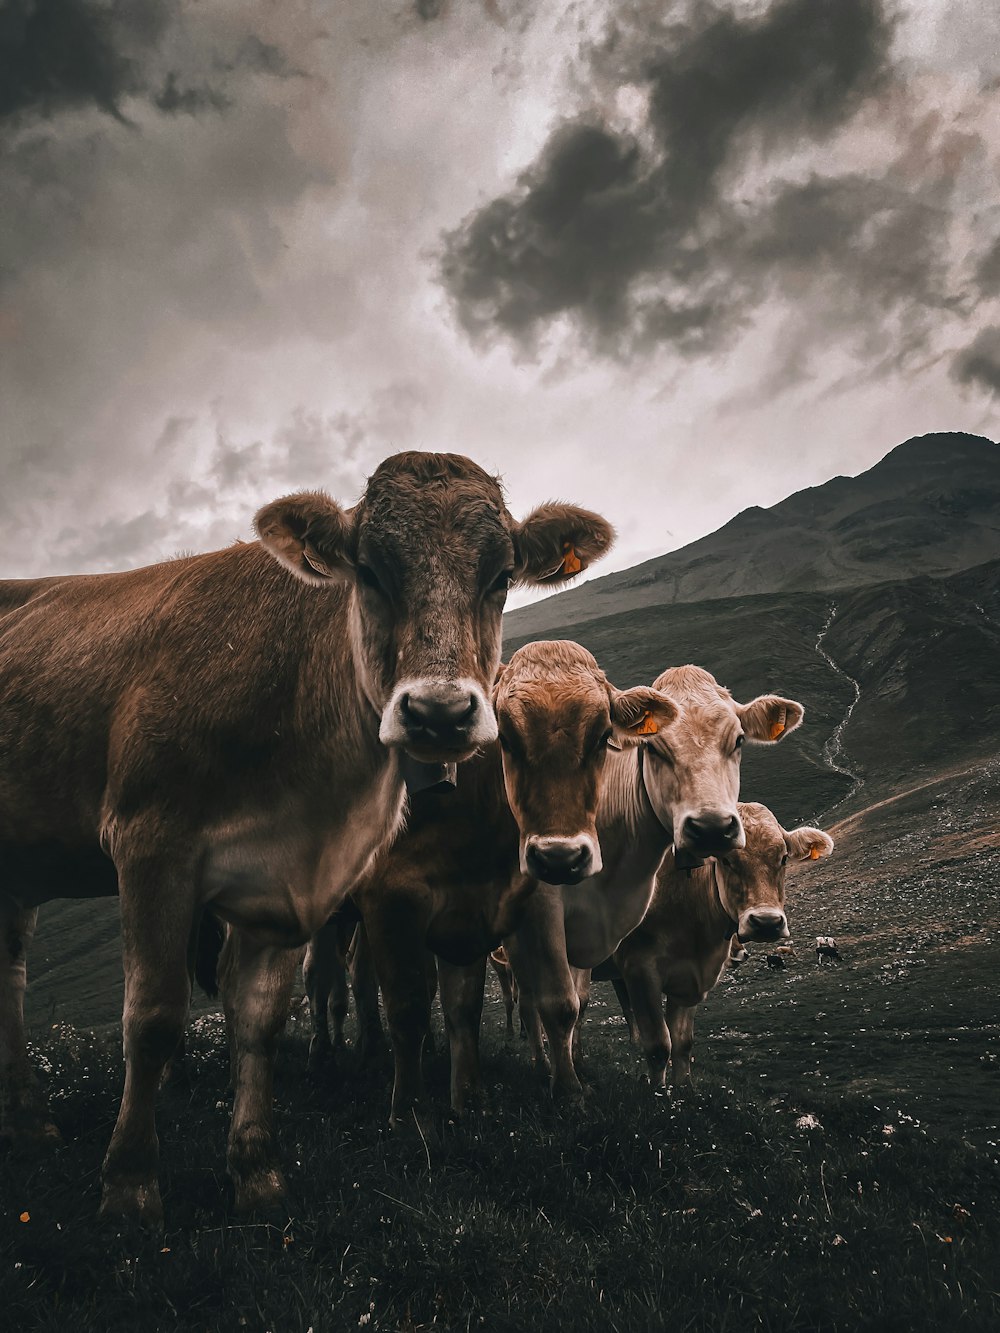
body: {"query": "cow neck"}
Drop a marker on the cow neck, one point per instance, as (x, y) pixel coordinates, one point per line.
(601, 911)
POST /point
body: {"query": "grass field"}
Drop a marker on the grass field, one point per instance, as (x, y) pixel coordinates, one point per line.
(715, 1211)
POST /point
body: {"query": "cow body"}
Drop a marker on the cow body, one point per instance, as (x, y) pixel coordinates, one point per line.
(459, 876)
(211, 731)
(681, 788)
(683, 943)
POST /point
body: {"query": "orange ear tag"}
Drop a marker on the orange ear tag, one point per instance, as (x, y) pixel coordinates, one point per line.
(776, 729)
(646, 726)
(572, 564)
(813, 853)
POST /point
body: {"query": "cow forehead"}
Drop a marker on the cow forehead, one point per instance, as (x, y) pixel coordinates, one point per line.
(703, 724)
(765, 836)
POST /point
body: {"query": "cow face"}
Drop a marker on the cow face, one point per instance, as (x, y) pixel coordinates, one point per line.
(557, 716)
(692, 771)
(751, 880)
(429, 553)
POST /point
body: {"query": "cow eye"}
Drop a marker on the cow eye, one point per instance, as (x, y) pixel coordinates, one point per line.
(369, 578)
(784, 859)
(501, 584)
(739, 743)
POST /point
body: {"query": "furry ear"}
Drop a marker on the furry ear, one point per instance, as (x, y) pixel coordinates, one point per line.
(808, 844)
(640, 713)
(309, 534)
(556, 542)
(769, 717)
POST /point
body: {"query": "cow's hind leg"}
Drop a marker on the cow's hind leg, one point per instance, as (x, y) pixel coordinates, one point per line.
(373, 1049)
(24, 1115)
(257, 983)
(621, 990)
(326, 986)
(462, 990)
(157, 915)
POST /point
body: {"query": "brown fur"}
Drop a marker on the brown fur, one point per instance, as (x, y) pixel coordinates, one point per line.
(208, 731)
(681, 947)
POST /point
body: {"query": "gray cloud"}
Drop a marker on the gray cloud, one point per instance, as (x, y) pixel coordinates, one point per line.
(979, 363)
(603, 213)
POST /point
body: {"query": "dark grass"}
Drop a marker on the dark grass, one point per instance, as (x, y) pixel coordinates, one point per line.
(711, 1212)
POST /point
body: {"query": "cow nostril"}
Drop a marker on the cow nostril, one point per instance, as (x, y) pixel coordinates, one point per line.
(438, 710)
(733, 828)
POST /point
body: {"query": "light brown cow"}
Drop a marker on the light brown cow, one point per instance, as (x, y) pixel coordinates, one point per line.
(681, 789)
(213, 731)
(681, 947)
(457, 878)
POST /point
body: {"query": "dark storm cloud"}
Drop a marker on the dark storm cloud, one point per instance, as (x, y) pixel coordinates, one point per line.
(58, 53)
(979, 363)
(175, 100)
(600, 214)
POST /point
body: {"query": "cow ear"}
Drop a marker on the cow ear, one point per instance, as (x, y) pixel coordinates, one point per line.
(309, 534)
(556, 542)
(637, 715)
(769, 718)
(808, 844)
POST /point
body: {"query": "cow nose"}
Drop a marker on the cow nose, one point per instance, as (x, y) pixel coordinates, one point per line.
(559, 860)
(710, 833)
(764, 923)
(438, 708)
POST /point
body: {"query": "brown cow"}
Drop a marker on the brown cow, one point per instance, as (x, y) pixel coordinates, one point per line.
(681, 947)
(213, 731)
(457, 878)
(680, 789)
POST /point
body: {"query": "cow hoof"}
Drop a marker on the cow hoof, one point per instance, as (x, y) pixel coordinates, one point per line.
(321, 1059)
(415, 1124)
(132, 1204)
(264, 1195)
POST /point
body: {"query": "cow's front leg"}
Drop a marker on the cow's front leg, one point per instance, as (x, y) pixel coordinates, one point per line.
(462, 990)
(537, 952)
(396, 928)
(680, 1021)
(326, 986)
(373, 1049)
(24, 1115)
(646, 998)
(157, 914)
(257, 983)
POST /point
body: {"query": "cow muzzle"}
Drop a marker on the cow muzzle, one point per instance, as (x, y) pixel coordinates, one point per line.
(763, 925)
(438, 721)
(561, 860)
(711, 833)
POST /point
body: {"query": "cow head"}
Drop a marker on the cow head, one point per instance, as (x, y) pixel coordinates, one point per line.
(692, 770)
(557, 715)
(429, 553)
(751, 880)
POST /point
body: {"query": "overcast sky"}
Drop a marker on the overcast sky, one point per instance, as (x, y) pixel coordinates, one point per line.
(665, 260)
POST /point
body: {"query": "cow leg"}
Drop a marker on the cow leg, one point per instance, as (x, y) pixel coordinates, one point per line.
(157, 915)
(680, 1021)
(538, 955)
(431, 974)
(621, 990)
(581, 979)
(324, 978)
(507, 991)
(26, 1119)
(396, 930)
(462, 990)
(373, 1049)
(646, 999)
(257, 991)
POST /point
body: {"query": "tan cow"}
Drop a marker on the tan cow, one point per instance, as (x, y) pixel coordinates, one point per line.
(681, 947)
(458, 877)
(682, 789)
(212, 730)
